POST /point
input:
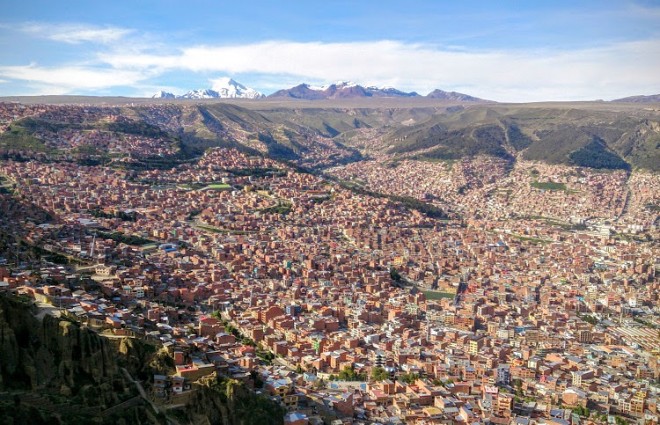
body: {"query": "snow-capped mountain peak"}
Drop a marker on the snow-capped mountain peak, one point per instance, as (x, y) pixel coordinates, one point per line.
(229, 88)
(341, 85)
(200, 94)
(222, 88)
(163, 95)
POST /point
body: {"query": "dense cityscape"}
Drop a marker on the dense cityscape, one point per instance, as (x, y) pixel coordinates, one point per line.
(386, 290)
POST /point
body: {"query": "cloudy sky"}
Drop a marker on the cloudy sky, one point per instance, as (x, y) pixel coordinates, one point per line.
(501, 50)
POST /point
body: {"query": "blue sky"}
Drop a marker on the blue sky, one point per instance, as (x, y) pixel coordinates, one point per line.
(501, 50)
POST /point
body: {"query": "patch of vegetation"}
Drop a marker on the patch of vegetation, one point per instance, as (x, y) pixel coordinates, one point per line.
(282, 207)
(348, 374)
(257, 172)
(452, 145)
(645, 323)
(153, 163)
(517, 138)
(379, 374)
(555, 145)
(122, 215)
(589, 319)
(531, 239)
(395, 275)
(218, 186)
(244, 406)
(427, 209)
(567, 226)
(137, 128)
(32, 124)
(214, 229)
(211, 229)
(653, 207)
(320, 199)
(19, 139)
(120, 237)
(438, 295)
(50, 256)
(421, 206)
(596, 155)
(620, 421)
(87, 150)
(548, 185)
(408, 378)
(446, 161)
(266, 356)
(5, 187)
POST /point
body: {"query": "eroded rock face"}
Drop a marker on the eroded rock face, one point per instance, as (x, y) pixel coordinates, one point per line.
(70, 370)
(50, 352)
(226, 401)
(56, 367)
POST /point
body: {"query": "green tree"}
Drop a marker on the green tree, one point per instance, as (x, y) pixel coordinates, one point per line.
(394, 274)
(409, 378)
(349, 374)
(379, 374)
(581, 411)
(517, 383)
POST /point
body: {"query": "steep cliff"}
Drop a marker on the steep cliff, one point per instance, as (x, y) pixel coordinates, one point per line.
(55, 371)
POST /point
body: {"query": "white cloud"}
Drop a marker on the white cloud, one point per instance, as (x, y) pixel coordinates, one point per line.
(71, 78)
(605, 72)
(76, 33)
(124, 59)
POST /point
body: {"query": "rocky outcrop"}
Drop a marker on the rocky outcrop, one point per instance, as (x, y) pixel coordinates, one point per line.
(55, 371)
(49, 353)
(223, 401)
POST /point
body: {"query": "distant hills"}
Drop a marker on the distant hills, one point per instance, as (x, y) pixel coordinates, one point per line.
(452, 95)
(654, 98)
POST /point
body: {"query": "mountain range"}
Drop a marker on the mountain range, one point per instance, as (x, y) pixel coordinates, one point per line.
(227, 88)
(339, 90)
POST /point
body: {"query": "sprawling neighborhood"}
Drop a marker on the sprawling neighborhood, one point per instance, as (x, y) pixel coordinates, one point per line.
(535, 299)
